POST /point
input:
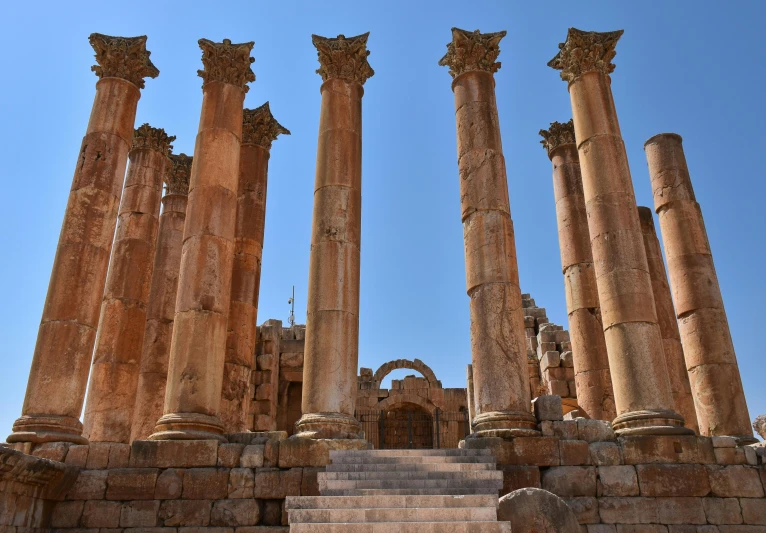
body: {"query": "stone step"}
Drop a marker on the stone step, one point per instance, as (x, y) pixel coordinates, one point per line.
(408, 459)
(496, 483)
(413, 514)
(457, 452)
(376, 502)
(423, 474)
(410, 467)
(405, 527)
(405, 492)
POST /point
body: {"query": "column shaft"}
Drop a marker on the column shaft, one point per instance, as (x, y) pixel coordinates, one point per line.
(666, 317)
(117, 355)
(708, 348)
(591, 362)
(634, 345)
(469, 392)
(153, 373)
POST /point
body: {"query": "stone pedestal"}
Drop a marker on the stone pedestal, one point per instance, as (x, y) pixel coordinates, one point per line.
(117, 356)
(153, 373)
(259, 130)
(198, 348)
(62, 357)
(666, 317)
(498, 347)
(708, 349)
(641, 386)
(591, 363)
(332, 320)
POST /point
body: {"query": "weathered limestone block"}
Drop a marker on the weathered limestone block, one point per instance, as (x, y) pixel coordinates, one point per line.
(667, 449)
(174, 513)
(537, 451)
(241, 483)
(519, 477)
(585, 509)
(273, 483)
(735, 481)
(566, 429)
(235, 513)
(170, 484)
(574, 452)
(229, 455)
(681, 510)
(100, 513)
(617, 481)
(570, 481)
(90, 485)
(533, 510)
(296, 452)
(310, 482)
(178, 454)
(139, 513)
(673, 480)
(67, 514)
(548, 407)
(131, 483)
(594, 430)
(722, 510)
(605, 454)
(753, 510)
(252, 456)
(628, 510)
(206, 483)
(759, 425)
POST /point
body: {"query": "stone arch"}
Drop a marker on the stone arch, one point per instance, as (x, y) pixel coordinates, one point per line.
(417, 365)
(398, 399)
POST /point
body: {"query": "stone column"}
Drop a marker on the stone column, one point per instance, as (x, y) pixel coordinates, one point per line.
(591, 363)
(116, 358)
(198, 348)
(61, 361)
(498, 345)
(469, 391)
(259, 130)
(153, 373)
(332, 318)
(708, 348)
(666, 317)
(634, 344)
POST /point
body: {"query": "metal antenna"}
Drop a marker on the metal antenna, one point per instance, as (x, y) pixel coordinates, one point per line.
(291, 301)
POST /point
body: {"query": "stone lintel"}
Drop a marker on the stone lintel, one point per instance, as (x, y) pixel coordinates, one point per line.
(343, 58)
(586, 51)
(179, 173)
(557, 135)
(122, 57)
(260, 127)
(146, 137)
(472, 51)
(227, 62)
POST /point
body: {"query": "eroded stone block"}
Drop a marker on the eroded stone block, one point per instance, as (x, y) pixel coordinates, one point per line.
(174, 453)
(617, 481)
(569, 481)
(673, 480)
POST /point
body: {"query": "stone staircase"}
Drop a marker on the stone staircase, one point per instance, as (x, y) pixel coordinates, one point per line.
(403, 491)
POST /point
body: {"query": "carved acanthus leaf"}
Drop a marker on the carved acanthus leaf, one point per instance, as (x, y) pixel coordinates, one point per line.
(146, 137)
(179, 173)
(472, 50)
(260, 127)
(122, 57)
(558, 134)
(344, 58)
(586, 51)
(227, 62)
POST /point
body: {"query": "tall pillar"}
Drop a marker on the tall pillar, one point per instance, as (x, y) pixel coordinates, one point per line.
(708, 348)
(469, 391)
(153, 373)
(666, 317)
(498, 346)
(61, 361)
(634, 344)
(332, 318)
(591, 363)
(198, 348)
(259, 130)
(117, 356)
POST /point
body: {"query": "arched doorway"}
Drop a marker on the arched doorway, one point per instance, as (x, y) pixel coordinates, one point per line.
(406, 426)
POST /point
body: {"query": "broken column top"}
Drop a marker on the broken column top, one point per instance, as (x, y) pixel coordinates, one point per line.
(179, 173)
(343, 57)
(260, 127)
(472, 50)
(227, 62)
(122, 57)
(586, 51)
(557, 135)
(146, 137)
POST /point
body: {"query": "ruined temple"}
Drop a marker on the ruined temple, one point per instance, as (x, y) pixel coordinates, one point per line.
(631, 419)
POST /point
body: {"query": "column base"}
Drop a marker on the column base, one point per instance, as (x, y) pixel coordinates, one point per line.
(188, 426)
(47, 428)
(650, 423)
(504, 424)
(328, 426)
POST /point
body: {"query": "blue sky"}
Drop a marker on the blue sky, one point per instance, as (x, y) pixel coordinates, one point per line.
(688, 67)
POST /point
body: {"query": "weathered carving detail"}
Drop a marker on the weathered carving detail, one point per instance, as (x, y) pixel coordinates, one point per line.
(146, 137)
(472, 51)
(227, 62)
(586, 51)
(179, 173)
(260, 127)
(122, 57)
(344, 58)
(557, 135)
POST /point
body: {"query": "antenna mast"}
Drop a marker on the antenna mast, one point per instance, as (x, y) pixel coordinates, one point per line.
(291, 301)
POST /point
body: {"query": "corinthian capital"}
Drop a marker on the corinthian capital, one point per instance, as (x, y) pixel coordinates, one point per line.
(146, 137)
(558, 134)
(472, 51)
(226, 62)
(260, 127)
(179, 173)
(122, 57)
(586, 51)
(343, 58)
